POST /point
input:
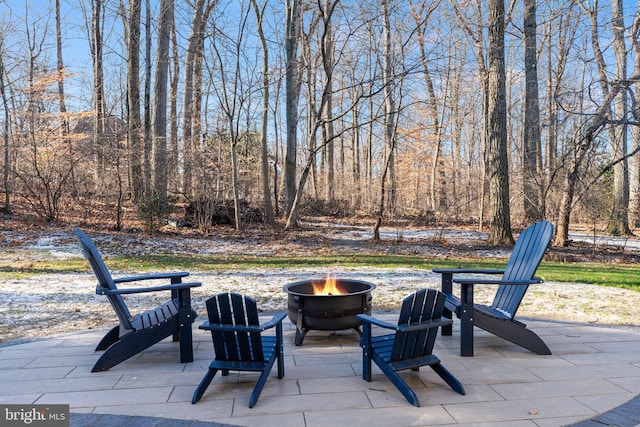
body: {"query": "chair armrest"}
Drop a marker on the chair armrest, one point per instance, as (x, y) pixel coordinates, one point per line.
(424, 325)
(372, 320)
(275, 320)
(229, 328)
(483, 281)
(155, 276)
(465, 271)
(405, 328)
(172, 287)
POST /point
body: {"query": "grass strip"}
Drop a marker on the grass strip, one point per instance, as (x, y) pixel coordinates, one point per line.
(618, 275)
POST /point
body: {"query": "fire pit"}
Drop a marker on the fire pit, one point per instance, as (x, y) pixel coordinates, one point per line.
(327, 305)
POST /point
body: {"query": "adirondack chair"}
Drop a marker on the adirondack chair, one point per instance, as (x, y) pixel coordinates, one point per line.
(138, 332)
(238, 341)
(498, 318)
(411, 344)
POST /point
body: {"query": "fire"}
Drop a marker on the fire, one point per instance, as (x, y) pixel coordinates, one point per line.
(328, 287)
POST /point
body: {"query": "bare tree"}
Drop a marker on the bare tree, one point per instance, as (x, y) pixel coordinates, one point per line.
(160, 99)
(475, 32)
(147, 136)
(388, 85)
(232, 95)
(581, 144)
(173, 177)
(292, 90)
(531, 150)
(135, 149)
(64, 121)
(197, 105)
(5, 134)
(619, 222)
(187, 105)
(557, 61)
(98, 93)
(319, 117)
(498, 167)
(264, 159)
(421, 16)
(328, 62)
(635, 131)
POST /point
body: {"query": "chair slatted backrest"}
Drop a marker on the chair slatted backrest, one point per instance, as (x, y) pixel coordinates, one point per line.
(421, 306)
(523, 263)
(235, 310)
(105, 281)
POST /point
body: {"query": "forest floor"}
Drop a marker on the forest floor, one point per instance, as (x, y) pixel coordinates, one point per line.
(52, 303)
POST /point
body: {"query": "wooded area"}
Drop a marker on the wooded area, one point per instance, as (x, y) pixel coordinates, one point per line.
(478, 112)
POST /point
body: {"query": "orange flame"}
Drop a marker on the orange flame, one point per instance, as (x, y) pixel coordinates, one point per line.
(328, 287)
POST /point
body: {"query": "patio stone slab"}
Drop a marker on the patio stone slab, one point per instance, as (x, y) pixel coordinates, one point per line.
(525, 409)
(593, 369)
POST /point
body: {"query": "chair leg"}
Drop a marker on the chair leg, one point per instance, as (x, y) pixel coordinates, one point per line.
(280, 351)
(112, 336)
(447, 287)
(365, 343)
(185, 319)
(202, 387)
(399, 383)
(448, 378)
(255, 395)
(516, 333)
(121, 350)
(186, 340)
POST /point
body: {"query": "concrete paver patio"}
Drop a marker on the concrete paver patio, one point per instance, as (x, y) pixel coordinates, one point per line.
(592, 370)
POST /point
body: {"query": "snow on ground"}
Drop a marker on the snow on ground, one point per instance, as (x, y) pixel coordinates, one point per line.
(67, 302)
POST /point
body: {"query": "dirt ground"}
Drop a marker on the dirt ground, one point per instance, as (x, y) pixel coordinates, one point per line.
(58, 303)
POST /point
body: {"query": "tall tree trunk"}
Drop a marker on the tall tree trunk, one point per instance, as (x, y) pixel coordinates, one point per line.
(532, 178)
(173, 177)
(160, 99)
(64, 120)
(556, 66)
(147, 136)
(421, 17)
(356, 177)
(327, 128)
(619, 221)
(635, 130)
(498, 167)
(5, 134)
(312, 101)
(264, 150)
(388, 85)
(478, 39)
(552, 110)
(292, 89)
(187, 104)
(98, 94)
(133, 96)
(197, 115)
